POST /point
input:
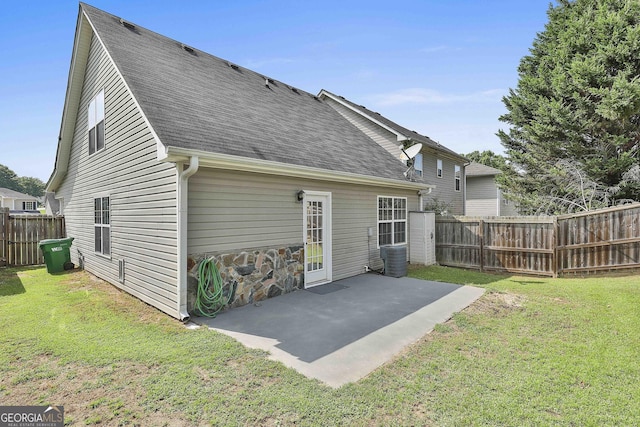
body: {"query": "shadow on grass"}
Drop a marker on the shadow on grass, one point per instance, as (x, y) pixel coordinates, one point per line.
(10, 283)
(459, 276)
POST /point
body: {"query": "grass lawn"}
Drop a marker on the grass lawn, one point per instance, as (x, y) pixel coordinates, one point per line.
(531, 351)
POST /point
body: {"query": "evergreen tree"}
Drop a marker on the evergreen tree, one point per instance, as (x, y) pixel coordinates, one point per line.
(574, 117)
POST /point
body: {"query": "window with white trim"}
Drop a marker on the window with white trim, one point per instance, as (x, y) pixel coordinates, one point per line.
(29, 206)
(392, 220)
(102, 225)
(417, 164)
(96, 123)
(439, 169)
(457, 174)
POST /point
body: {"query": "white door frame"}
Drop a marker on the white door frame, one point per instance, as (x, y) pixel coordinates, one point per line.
(323, 275)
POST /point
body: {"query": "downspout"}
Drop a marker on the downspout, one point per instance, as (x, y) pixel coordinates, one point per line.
(183, 223)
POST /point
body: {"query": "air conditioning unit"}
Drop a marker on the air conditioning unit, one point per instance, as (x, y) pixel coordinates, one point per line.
(395, 260)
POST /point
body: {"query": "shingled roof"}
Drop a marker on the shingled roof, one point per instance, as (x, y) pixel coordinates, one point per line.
(478, 169)
(401, 130)
(196, 101)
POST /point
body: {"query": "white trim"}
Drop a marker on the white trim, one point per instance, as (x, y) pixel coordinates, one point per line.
(182, 222)
(327, 236)
(393, 221)
(399, 136)
(247, 164)
(101, 225)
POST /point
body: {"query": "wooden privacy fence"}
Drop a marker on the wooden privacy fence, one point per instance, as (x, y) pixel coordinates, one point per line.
(20, 234)
(603, 240)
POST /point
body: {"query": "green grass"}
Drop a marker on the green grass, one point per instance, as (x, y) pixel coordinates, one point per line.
(532, 351)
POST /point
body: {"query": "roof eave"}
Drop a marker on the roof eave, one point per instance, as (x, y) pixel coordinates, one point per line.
(246, 164)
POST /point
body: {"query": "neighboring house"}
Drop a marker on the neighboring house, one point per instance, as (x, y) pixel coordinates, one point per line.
(16, 201)
(436, 165)
(484, 198)
(168, 156)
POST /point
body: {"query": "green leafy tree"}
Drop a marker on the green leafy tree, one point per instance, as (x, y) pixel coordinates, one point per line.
(32, 186)
(8, 179)
(575, 114)
(487, 158)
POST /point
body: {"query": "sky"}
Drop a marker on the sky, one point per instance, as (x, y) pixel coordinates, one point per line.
(437, 67)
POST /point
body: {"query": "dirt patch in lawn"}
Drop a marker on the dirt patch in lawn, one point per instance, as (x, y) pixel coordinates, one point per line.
(496, 303)
(108, 395)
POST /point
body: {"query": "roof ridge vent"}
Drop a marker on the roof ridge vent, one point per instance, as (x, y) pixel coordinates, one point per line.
(188, 48)
(234, 66)
(126, 24)
(294, 90)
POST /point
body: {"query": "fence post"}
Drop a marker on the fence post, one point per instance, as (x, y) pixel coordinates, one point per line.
(481, 237)
(554, 241)
(4, 233)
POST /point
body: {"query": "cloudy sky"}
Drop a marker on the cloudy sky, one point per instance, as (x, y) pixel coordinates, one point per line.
(438, 67)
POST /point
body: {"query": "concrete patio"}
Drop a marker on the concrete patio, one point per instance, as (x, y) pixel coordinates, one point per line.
(340, 332)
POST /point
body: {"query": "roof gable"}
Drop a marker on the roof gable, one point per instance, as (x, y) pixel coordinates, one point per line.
(6, 192)
(196, 101)
(478, 169)
(401, 132)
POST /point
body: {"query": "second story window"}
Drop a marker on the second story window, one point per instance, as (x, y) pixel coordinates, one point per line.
(457, 175)
(96, 123)
(439, 169)
(417, 164)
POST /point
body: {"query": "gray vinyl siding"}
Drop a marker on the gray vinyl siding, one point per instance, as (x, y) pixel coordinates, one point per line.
(482, 196)
(229, 211)
(388, 140)
(142, 193)
(445, 186)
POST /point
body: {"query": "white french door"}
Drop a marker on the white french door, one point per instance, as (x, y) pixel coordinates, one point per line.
(317, 238)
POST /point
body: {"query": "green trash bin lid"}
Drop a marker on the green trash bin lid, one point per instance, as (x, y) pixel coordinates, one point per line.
(47, 242)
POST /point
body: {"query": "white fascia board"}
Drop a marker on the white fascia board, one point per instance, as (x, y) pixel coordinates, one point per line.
(71, 102)
(399, 136)
(247, 164)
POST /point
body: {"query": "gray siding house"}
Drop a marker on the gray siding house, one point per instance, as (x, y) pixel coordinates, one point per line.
(17, 201)
(168, 156)
(437, 165)
(484, 197)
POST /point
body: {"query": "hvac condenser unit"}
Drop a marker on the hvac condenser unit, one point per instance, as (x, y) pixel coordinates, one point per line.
(395, 260)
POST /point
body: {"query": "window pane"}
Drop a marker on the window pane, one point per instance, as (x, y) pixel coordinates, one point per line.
(99, 106)
(417, 164)
(399, 232)
(105, 211)
(106, 241)
(91, 114)
(97, 210)
(99, 136)
(384, 234)
(92, 140)
(98, 239)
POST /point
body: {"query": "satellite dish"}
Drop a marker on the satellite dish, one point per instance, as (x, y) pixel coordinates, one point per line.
(411, 152)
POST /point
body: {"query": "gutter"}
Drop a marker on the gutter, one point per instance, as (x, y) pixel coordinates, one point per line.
(183, 222)
(248, 164)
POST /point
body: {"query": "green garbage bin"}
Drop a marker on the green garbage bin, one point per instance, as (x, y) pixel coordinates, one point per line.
(56, 253)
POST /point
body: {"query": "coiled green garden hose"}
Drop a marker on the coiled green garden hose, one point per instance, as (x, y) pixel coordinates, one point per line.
(210, 297)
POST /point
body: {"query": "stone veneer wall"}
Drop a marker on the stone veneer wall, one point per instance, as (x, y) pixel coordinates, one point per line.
(257, 274)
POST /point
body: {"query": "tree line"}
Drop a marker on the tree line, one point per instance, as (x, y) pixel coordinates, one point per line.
(24, 184)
